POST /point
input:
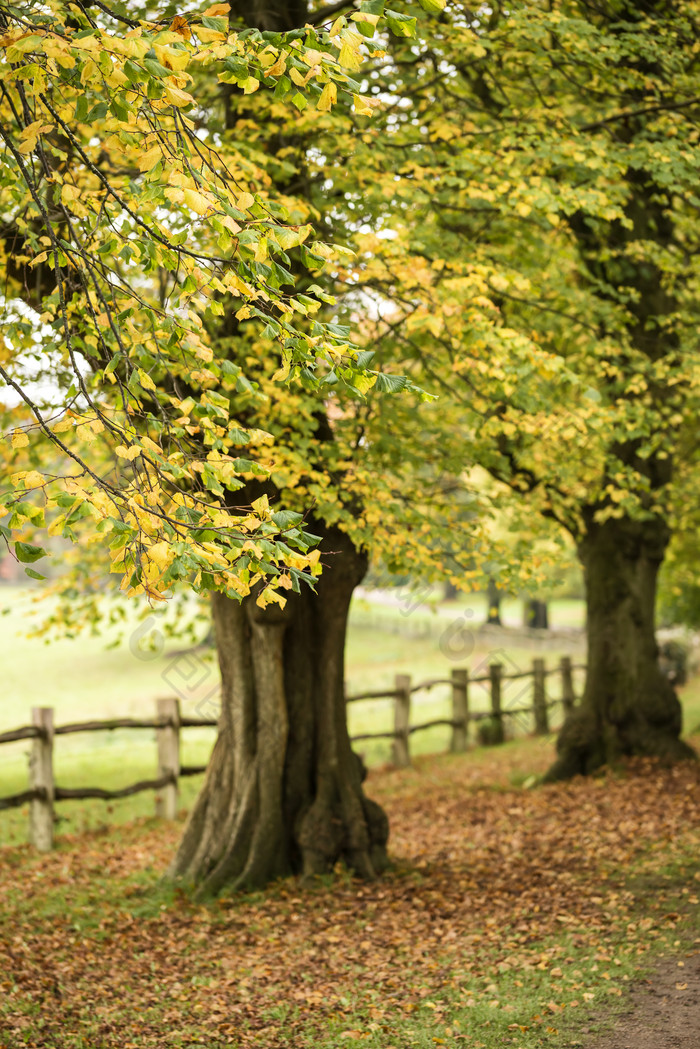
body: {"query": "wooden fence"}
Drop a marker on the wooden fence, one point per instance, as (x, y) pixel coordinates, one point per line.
(43, 792)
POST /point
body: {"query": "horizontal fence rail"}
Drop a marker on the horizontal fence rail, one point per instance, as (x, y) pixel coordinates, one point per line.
(44, 793)
(497, 715)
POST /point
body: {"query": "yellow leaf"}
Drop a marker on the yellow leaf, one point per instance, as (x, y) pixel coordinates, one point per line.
(364, 16)
(208, 36)
(150, 158)
(278, 68)
(329, 96)
(128, 453)
(363, 383)
(69, 193)
(67, 423)
(180, 26)
(56, 526)
(178, 97)
(162, 554)
(172, 57)
(349, 57)
(131, 46)
(245, 201)
(197, 201)
(34, 479)
(362, 106)
(153, 594)
(19, 439)
(144, 378)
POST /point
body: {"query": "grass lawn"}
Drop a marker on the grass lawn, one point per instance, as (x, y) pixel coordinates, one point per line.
(512, 918)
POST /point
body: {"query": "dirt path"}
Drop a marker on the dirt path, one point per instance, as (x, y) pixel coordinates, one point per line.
(664, 1010)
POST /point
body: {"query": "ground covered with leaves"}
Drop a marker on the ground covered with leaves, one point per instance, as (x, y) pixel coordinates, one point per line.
(515, 916)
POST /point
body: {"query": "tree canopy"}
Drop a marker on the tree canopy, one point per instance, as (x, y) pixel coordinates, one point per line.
(229, 236)
(547, 227)
(133, 222)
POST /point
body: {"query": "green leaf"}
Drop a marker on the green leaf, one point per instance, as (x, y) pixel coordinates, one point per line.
(285, 519)
(26, 553)
(119, 109)
(218, 23)
(283, 86)
(390, 383)
(81, 109)
(97, 113)
(400, 25)
(155, 68)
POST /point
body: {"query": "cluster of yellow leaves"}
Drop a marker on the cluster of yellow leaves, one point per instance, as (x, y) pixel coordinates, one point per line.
(209, 223)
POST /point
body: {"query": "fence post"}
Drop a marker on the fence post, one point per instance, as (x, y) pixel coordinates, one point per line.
(568, 697)
(402, 719)
(168, 739)
(41, 778)
(460, 710)
(539, 701)
(496, 674)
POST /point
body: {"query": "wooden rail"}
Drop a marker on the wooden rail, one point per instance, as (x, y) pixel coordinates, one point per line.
(44, 793)
(500, 710)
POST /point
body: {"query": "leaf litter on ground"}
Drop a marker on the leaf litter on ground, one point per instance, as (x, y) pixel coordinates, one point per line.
(509, 913)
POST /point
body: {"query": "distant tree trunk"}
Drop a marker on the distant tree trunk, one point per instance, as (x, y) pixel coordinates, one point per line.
(283, 790)
(493, 615)
(451, 592)
(536, 614)
(629, 707)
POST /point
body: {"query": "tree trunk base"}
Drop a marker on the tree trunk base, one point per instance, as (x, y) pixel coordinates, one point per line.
(584, 745)
(283, 790)
(629, 707)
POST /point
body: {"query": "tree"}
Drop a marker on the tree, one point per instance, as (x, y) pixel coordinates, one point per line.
(546, 189)
(176, 282)
(117, 251)
(145, 251)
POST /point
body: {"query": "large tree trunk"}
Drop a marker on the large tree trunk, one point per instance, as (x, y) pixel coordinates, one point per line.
(629, 707)
(283, 790)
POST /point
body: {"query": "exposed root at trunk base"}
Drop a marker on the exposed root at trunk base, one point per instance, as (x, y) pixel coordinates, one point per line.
(584, 746)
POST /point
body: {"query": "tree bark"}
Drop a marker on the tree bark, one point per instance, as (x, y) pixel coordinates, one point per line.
(283, 790)
(536, 614)
(629, 707)
(493, 597)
